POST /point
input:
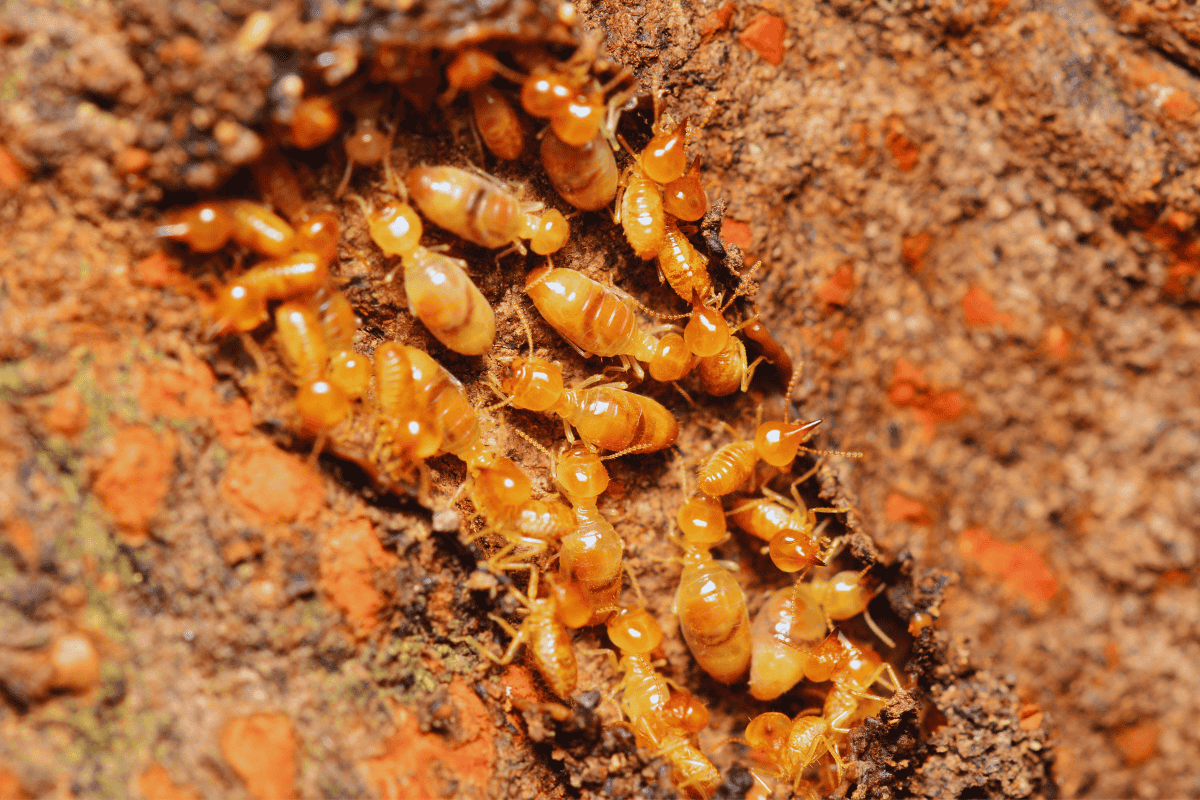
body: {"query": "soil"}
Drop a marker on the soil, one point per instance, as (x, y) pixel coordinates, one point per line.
(977, 227)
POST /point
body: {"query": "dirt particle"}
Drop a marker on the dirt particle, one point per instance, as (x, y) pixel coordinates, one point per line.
(159, 270)
(12, 174)
(1056, 341)
(980, 310)
(19, 534)
(269, 486)
(68, 416)
(1138, 743)
(717, 20)
(1020, 565)
(189, 394)
(155, 784)
(76, 663)
(735, 232)
(764, 35)
(261, 748)
(11, 786)
(351, 558)
(901, 508)
(837, 290)
(904, 151)
(136, 478)
(413, 762)
(914, 248)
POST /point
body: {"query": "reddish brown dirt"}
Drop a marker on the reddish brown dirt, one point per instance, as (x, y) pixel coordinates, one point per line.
(978, 228)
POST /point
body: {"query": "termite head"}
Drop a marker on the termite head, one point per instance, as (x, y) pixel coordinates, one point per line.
(580, 473)
(533, 383)
(633, 630)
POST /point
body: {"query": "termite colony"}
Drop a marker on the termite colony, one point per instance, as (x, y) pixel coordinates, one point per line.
(394, 409)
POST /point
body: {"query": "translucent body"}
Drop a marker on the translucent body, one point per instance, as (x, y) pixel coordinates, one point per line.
(395, 227)
(591, 556)
(366, 144)
(727, 371)
(789, 529)
(580, 473)
(727, 469)
(772, 351)
(337, 317)
(260, 229)
(321, 404)
(471, 68)
(663, 158)
(414, 427)
(588, 314)
(550, 647)
(784, 632)
(242, 305)
(278, 183)
(633, 630)
(613, 419)
(448, 302)
(844, 595)
(577, 122)
(499, 489)
(604, 416)
(437, 389)
(712, 617)
(672, 360)
(642, 214)
(684, 198)
(706, 332)
(534, 384)
(778, 441)
(467, 204)
(314, 122)
(702, 521)
(204, 227)
(497, 123)
(350, 372)
(279, 278)
(299, 332)
(318, 232)
(586, 176)
(662, 721)
(547, 233)
(682, 265)
(547, 91)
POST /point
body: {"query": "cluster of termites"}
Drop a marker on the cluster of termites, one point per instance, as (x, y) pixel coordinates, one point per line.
(411, 409)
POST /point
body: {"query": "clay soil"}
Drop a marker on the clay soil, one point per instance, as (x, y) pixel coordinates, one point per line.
(977, 227)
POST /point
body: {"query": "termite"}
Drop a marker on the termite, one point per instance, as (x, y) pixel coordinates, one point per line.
(604, 416)
(663, 721)
(684, 198)
(844, 596)
(320, 404)
(585, 176)
(640, 212)
(712, 615)
(439, 291)
(315, 121)
(790, 746)
(549, 643)
(348, 370)
(598, 320)
(405, 419)
(681, 265)
(242, 304)
(497, 123)
(783, 635)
